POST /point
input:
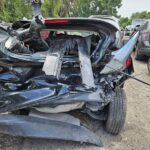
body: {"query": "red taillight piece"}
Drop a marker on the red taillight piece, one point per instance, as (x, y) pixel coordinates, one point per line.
(57, 22)
(129, 62)
(133, 33)
(44, 34)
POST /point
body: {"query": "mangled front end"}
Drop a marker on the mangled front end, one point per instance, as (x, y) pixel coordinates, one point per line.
(57, 74)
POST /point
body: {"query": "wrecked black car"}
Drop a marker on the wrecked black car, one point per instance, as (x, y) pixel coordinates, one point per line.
(49, 67)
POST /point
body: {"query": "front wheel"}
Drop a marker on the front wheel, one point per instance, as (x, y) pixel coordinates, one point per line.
(116, 112)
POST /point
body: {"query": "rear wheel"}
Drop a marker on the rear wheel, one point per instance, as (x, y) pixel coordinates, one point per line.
(148, 65)
(116, 112)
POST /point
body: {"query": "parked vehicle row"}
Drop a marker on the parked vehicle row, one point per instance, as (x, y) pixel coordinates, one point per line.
(142, 47)
(143, 43)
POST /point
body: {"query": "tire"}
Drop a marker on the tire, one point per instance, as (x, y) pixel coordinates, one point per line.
(137, 56)
(148, 65)
(116, 112)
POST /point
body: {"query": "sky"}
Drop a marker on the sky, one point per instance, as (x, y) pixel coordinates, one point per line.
(131, 6)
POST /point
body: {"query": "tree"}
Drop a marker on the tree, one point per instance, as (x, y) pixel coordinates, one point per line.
(125, 21)
(86, 8)
(51, 8)
(2, 9)
(141, 15)
(14, 10)
(66, 8)
(17, 9)
(80, 8)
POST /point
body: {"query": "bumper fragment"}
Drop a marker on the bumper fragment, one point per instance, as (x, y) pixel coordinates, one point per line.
(32, 127)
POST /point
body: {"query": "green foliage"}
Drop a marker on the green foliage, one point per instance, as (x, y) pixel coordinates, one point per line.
(125, 21)
(141, 15)
(86, 8)
(51, 8)
(14, 10)
(67, 8)
(80, 8)
(17, 9)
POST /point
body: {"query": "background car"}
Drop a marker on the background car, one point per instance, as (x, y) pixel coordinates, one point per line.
(143, 44)
(131, 29)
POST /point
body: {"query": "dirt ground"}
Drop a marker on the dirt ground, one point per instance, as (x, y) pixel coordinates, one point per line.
(135, 135)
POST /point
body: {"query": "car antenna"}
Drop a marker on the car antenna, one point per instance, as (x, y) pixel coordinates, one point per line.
(37, 7)
(130, 76)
